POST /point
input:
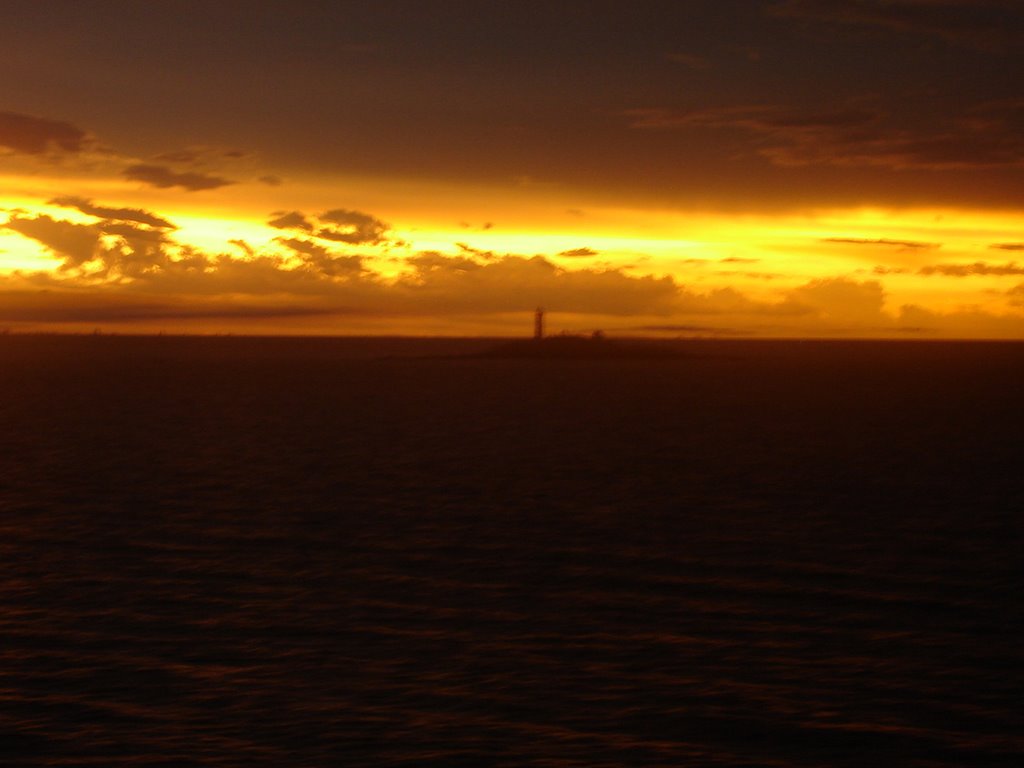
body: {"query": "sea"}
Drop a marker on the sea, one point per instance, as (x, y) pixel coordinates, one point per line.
(226, 551)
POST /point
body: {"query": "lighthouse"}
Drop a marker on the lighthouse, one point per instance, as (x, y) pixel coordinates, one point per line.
(538, 324)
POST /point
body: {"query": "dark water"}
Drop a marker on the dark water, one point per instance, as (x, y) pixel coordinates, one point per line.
(226, 552)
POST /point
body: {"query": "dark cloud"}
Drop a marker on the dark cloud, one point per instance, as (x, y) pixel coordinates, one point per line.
(579, 253)
(338, 225)
(303, 247)
(132, 232)
(75, 243)
(290, 220)
(978, 23)
(1008, 246)
(135, 252)
(905, 244)
(977, 268)
(322, 259)
(739, 260)
(344, 266)
(882, 270)
(271, 180)
(136, 215)
(164, 178)
(353, 227)
(36, 135)
(114, 247)
(1016, 295)
(856, 136)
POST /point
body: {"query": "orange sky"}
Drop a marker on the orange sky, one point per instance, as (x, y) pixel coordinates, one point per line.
(806, 169)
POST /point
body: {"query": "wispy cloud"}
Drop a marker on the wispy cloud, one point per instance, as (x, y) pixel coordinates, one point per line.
(89, 208)
(244, 247)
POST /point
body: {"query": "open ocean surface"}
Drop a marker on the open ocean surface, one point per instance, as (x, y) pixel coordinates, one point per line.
(259, 552)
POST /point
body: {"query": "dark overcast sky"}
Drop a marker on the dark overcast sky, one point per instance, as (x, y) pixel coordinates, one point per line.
(778, 166)
(737, 103)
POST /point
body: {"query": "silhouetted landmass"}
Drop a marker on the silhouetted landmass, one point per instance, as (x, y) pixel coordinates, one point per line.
(580, 348)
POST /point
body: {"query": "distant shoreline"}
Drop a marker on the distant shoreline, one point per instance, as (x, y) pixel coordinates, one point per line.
(630, 339)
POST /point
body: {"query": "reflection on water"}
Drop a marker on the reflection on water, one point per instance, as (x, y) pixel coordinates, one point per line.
(302, 553)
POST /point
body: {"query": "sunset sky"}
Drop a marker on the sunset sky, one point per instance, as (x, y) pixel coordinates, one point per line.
(722, 168)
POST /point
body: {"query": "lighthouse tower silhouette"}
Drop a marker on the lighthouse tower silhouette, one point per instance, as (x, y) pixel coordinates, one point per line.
(538, 324)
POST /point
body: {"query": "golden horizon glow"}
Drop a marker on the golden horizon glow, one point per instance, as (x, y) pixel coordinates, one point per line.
(763, 257)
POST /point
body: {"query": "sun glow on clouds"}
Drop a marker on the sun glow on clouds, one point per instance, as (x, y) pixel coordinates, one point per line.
(827, 271)
(17, 253)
